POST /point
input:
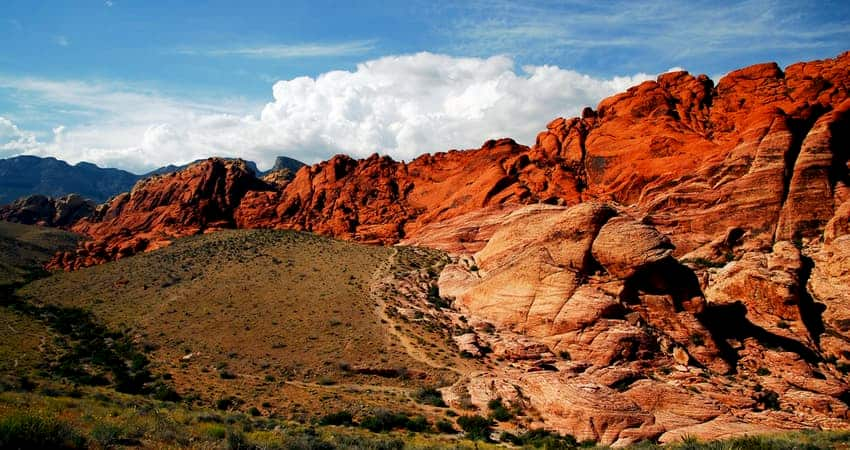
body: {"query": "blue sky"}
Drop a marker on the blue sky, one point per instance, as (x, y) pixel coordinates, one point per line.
(137, 84)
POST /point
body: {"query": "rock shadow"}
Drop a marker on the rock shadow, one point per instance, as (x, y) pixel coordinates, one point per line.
(724, 322)
(665, 277)
(811, 312)
(729, 321)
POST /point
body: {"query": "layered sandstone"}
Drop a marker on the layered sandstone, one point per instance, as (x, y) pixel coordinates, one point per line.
(657, 349)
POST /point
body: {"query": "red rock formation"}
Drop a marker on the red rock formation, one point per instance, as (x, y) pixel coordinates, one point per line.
(763, 151)
(47, 211)
(197, 199)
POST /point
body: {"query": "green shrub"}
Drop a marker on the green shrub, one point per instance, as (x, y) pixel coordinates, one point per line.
(253, 411)
(32, 431)
(498, 411)
(337, 418)
(565, 355)
(430, 396)
(226, 403)
(763, 371)
(236, 441)
(163, 392)
(477, 428)
(444, 426)
(215, 432)
(417, 424)
(383, 420)
(540, 438)
(107, 435)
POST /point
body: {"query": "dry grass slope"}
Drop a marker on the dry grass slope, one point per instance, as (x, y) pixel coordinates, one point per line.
(24, 248)
(275, 320)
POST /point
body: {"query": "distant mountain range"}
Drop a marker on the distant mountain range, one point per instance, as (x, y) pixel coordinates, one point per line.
(21, 176)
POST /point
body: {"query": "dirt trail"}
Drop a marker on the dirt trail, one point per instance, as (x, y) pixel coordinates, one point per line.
(376, 294)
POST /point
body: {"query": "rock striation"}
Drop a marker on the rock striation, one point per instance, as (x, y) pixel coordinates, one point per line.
(656, 349)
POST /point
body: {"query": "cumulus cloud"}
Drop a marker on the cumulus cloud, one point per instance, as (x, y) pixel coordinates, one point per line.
(402, 106)
(13, 140)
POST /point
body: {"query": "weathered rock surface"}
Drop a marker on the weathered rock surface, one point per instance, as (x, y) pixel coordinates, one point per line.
(48, 211)
(158, 209)
(649, 353)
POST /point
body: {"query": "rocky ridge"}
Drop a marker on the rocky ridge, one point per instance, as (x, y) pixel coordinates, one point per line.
(763, 151)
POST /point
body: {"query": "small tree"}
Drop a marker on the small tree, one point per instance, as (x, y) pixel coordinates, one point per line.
(477, 428)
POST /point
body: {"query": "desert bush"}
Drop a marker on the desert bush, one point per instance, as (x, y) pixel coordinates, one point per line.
(214, 431)
(107, 434)
(337, 418)
(383, 420)
(34, 431)
(540, 438)
(498, 411)
(163, 392)
(430, 396)
(477, 428)
(444, 426)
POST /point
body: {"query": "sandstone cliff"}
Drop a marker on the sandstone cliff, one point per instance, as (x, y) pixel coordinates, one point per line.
(656, 348)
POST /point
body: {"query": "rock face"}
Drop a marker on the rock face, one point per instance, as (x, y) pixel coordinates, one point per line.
(198, 199)
(655, 347)
(47, 211)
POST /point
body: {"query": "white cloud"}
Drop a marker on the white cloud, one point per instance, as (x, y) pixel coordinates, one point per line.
(308, 50)
(400, 105)
(62, 41)
(13, 140)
